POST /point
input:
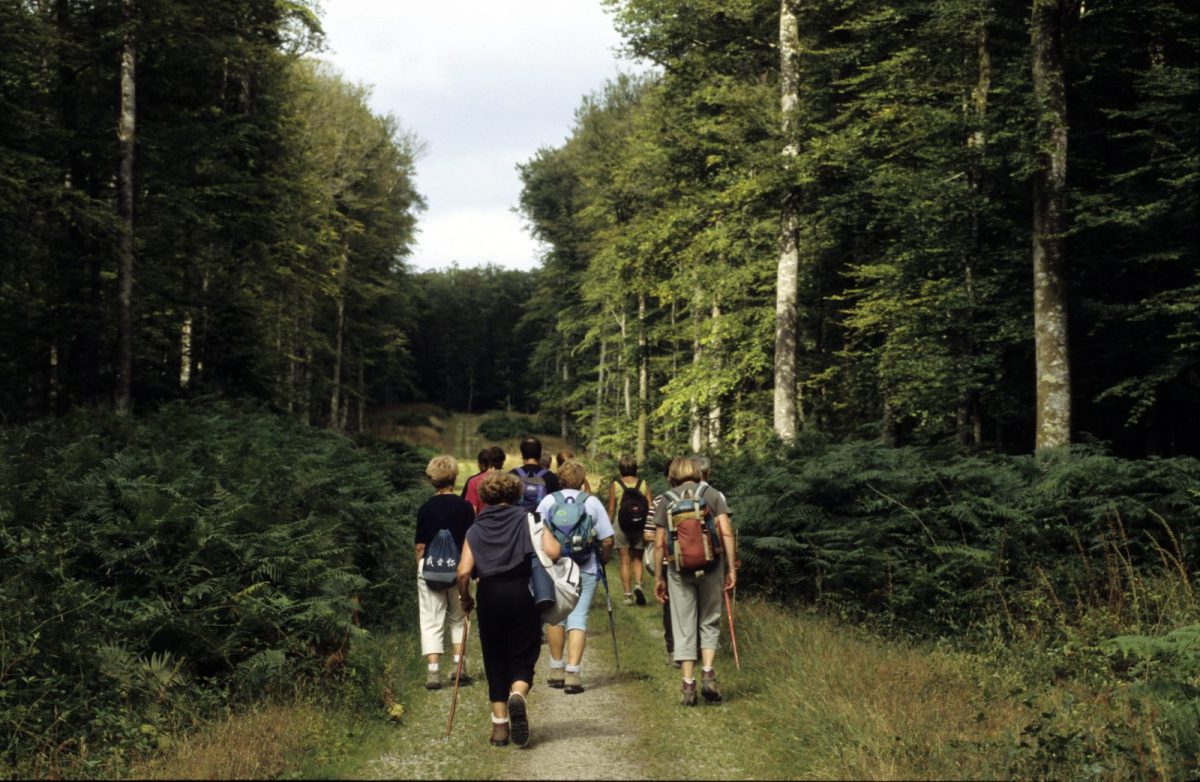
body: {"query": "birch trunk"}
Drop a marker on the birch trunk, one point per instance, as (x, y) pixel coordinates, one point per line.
(787, 275)
(126, 136)
(643, 380)
(1049, 222)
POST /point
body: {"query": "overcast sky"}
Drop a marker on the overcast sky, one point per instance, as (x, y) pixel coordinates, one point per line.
(484, 85)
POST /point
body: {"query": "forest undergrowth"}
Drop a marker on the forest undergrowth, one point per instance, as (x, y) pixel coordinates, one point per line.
(214, 567)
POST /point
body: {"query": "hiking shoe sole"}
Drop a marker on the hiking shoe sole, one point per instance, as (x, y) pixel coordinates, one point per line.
(639, 596)
(556, 682)
(518, 720)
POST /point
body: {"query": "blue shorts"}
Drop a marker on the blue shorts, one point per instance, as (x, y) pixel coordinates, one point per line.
(577, 619)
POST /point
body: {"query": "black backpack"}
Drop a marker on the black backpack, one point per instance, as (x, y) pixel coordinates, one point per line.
(633, 510)
(533, 489)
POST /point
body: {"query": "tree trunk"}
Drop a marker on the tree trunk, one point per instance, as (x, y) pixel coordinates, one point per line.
(599, 399)
(126, 135)
(714, 409)
(336, 376)
(643, 380)
(1049, 222)
(563, 420)
(787, 275)
(969, 423)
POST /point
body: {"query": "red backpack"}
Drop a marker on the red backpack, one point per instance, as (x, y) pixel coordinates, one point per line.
(692, 541)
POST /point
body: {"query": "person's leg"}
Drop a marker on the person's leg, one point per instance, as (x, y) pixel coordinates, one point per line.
(710, 594)
(457, 623)
(635, 574)
(684, 604)
(556, 641)
(626, 574)
(431, 608)
(577, 633)
(524, 643)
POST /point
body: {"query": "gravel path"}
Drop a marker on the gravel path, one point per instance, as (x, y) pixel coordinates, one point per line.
(581, 736)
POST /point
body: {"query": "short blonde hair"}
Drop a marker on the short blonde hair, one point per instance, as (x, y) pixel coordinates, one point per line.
(571, 474)
(442, 471)
(498, 488)
(684, 469)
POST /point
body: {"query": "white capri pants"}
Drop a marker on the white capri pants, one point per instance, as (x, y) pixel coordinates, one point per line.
(434, 607)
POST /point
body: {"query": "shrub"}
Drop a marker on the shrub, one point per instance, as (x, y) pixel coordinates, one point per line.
(158, 568)
(509, 427)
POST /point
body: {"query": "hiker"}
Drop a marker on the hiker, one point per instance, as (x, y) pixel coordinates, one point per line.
(538, 481)
(596, 550)
(652, 554)
(694, 597)
(497, 552)
(629, 503)
(564, 456)
(490, 459)
(444, 510)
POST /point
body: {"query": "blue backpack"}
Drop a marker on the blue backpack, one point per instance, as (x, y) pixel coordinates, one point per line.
(440, 567)
(533, 489)
(573, 526)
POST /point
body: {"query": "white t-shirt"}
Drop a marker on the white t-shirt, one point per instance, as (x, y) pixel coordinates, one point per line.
(595, 508)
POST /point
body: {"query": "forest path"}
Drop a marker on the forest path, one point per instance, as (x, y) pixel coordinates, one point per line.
(598, 733)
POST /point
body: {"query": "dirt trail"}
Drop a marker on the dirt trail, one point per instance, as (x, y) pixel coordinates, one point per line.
(581, 736)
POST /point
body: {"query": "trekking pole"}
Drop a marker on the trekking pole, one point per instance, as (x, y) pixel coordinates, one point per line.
(612, 626)
(732, 637)
(458, 674)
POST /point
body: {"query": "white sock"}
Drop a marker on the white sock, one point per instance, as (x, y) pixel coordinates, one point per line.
(434, 667)
(499, 720)
(707, 669)
(556, 663)
(686, 680)
(573, 668)
(457, 657)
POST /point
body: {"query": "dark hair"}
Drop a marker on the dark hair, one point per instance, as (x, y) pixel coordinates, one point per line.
(531, 448)
(495, 457)
(482, 458)
(628, 466)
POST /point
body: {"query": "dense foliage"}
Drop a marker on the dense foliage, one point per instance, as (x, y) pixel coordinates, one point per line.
(271, 211)
(916, 151)
(156, 569)
(1087, 564)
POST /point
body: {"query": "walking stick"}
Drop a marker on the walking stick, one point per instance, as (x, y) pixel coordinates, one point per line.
(732, 637)
(612, 626)
(458, 673)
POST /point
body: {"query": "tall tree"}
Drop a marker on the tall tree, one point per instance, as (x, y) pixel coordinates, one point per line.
(127, 136)
(787, 276)
(1050, 19)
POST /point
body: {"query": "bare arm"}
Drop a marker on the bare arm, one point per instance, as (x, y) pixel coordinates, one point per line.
(725, 529)
(420, 551)
(466, 563)
(612, 499)
(550, 544)
(660, 579)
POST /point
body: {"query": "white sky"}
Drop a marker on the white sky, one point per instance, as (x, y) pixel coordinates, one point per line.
(484, 85)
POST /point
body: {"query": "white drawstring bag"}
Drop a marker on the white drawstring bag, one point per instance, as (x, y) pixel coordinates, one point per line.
(565, 574)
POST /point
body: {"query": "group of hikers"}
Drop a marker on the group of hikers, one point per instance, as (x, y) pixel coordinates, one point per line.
(487, 535)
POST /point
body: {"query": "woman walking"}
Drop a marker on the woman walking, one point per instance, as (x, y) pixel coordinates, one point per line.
(497, 552)
(695, 597)
(443, 511)
(629, 501)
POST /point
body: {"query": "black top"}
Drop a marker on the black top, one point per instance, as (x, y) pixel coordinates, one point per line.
(444, 511)
(550, 478)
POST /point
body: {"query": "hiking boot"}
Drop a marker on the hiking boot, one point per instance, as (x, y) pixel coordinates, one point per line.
(556, 678)
(708, 686)
(573, 684)
(628, 601)
(688, 694)
(639, 595)
(518, 720)
(499, 734)
(465, 679)
(433, 680)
